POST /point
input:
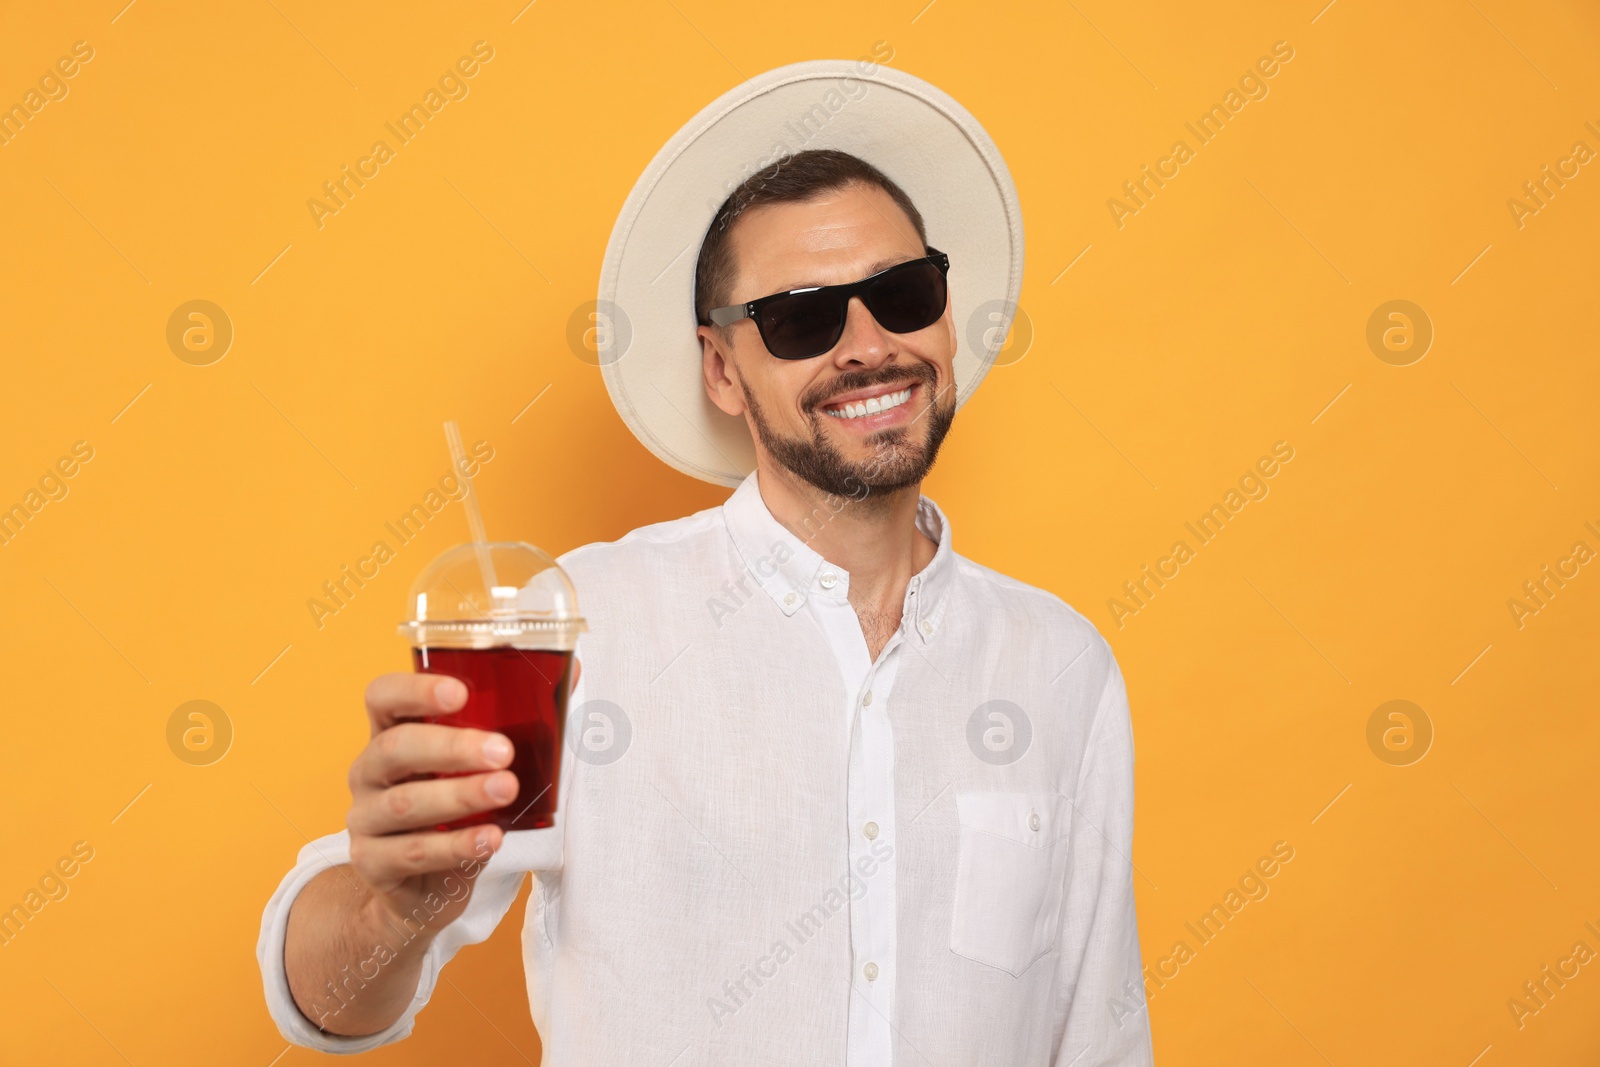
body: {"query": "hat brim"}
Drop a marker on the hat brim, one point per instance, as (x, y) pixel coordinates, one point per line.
(917, 135)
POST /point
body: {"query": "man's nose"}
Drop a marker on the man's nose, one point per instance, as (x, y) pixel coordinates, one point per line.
(864, 341)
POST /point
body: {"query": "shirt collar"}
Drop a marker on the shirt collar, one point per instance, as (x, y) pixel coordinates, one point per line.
(791, 571)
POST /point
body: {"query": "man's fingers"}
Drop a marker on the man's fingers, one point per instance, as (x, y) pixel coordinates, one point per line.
(392, 698)
(414, 805)
(386, 861)
(412, 748)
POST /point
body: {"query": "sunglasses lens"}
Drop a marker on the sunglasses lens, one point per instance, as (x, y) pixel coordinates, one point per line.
(802, 326)
(908, 300)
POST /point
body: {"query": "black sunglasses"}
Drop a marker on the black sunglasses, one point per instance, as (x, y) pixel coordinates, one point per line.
(803, 323)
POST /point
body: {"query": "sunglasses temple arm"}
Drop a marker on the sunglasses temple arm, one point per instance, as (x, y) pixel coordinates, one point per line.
(729, 315)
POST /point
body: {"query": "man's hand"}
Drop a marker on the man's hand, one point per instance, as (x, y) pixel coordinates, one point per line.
(393, 846)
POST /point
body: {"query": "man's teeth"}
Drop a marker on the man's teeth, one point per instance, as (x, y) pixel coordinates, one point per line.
(871, 406)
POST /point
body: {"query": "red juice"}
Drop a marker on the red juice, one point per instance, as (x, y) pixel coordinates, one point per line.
(521, 693)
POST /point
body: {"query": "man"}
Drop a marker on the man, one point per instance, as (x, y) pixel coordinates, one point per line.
(873, 802)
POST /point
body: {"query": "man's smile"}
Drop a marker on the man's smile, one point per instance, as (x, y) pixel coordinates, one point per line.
(874, 408)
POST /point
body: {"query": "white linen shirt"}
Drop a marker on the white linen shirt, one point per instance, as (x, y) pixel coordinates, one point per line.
(771, 849)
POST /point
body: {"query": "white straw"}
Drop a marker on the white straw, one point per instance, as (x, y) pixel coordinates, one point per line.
(480, 539)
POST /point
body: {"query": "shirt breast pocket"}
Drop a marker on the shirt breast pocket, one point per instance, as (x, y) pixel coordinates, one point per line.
(1011, 874)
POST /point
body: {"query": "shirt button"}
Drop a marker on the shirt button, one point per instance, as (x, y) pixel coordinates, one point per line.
(1033, 820)
(788, 598)
(871, 830)
(829, 579)
(871, 971)
(866, 699)
(927, 627)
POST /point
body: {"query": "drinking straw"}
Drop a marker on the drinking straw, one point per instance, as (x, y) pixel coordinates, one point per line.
(480, 539)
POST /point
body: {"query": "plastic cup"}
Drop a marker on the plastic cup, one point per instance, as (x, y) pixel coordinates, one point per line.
(502, 617)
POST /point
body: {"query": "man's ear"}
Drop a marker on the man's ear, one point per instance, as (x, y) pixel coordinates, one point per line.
(716, 363)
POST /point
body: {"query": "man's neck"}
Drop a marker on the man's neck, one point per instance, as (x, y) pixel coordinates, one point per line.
(874, 537)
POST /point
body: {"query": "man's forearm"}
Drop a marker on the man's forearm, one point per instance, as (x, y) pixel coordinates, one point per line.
(348, 972)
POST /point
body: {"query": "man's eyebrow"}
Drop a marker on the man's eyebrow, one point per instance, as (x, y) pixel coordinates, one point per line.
(889, 261)
(882, 264)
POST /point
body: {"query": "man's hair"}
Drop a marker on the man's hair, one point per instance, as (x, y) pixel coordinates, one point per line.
(792, 179)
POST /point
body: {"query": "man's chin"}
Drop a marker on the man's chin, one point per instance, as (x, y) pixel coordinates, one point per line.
(882, 466)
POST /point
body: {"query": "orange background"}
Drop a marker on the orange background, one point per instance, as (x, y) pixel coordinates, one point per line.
(1229, 313)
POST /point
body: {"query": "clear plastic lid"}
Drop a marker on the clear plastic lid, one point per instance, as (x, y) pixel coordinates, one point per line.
(491, 594)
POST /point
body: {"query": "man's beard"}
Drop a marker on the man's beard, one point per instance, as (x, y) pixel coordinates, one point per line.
(901, 456)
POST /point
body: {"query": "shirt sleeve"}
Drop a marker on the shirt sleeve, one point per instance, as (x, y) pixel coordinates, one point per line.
(495, 888)
(1107, 1023)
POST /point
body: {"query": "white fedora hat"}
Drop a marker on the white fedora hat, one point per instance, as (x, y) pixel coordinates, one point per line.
(914, 133)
